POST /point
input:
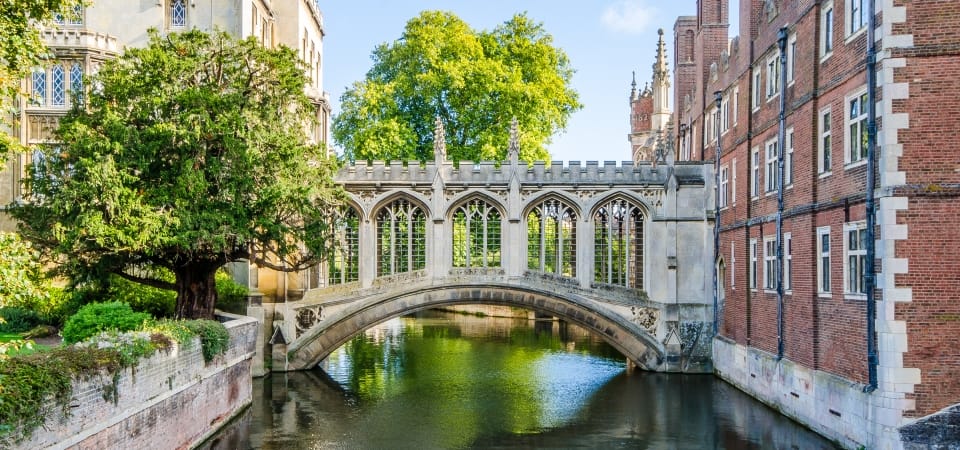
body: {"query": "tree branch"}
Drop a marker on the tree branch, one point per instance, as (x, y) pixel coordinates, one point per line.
(146, 281)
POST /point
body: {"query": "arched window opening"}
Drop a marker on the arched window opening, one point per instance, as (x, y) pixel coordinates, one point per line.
(59, 86)
(178, 13)
(618, 245)
(552, 238)
(76, 82)
(401, 238)
(39, 80)
(476, 235)
(344, 257)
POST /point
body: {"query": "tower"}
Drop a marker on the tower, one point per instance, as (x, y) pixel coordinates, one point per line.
(650, 108)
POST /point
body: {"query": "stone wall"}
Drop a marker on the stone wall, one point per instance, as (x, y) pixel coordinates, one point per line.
(170, 400)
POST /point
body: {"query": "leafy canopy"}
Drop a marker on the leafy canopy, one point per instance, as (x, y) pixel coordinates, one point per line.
(188, 154)
(476, 82)
(22, 49)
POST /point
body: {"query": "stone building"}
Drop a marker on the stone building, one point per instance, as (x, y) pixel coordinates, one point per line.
(790, 122)
(85, 39)
(650, 109)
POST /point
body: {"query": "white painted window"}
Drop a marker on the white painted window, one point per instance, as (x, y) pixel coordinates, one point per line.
(823, 260)
(856, 16)
(736, 104)
(788, 159)
(771, 166)
(752, 275)
(76, 82)
(855, 257)
(791, 57)
(725, 114)
(855, 131)
(724, 182)
(826, 29)
(39, 83)
(58, 85)
(733, 182)
(824, 158)
(757, 89)
(755, 169)
(769, 263)
(773, 75)
(787, 262)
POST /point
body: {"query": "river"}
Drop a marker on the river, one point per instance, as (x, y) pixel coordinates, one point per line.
(445, 380)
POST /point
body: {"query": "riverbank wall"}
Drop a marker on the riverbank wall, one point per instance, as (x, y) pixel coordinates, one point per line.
(170, 400)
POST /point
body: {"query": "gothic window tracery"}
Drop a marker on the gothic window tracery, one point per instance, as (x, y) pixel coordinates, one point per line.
(178, 13)
(39, 81)
(618, 243)
(344, 257)
(476, 235)
(58, 86)
(76, 81)
(401, 238)
(552, 238)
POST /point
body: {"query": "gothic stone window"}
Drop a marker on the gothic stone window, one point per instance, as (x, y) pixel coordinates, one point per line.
(552, 238)
(476, 235)
(401, 238)
(344, 257)
(39, 81)
(178, 13)
(618, 243)
(58, 85)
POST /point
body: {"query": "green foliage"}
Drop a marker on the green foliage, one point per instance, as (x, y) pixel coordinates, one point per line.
(476, 82)
(213, 337)
(22, 281)
(142, 298)
(98, 317)
(191, 153)
(21, 49)
(17, 320)
(231, 296)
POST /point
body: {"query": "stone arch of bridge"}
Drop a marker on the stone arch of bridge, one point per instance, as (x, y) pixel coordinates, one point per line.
(634, 342)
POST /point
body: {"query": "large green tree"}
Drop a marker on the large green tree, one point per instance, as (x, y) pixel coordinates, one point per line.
(476, 82)
(187, 154)
(22, 49)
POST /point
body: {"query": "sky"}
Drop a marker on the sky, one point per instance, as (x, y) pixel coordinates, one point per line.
(605, 40)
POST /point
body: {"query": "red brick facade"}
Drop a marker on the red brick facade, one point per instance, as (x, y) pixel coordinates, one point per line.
(918, 181)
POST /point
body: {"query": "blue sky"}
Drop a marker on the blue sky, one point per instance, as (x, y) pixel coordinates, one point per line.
(605, 40)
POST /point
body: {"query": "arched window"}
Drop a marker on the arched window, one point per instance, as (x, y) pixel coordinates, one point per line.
(39, 80)
(552, 238)
(59, 86)
(476, 235)
(76, 82)
(618, 245)
(178, 13)
(344, 257)
(401, 238)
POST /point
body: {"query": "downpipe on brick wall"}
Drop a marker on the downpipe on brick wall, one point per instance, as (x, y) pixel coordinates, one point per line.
(718, 98)
(870, 277)
(781, 152)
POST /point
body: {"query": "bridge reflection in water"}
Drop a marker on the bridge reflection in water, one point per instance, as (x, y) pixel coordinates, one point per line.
(456, 381)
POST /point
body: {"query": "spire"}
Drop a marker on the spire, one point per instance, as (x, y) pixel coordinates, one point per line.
(661, 87)
(660, 73)
(513, 151)
(633, 87)
(439, 141)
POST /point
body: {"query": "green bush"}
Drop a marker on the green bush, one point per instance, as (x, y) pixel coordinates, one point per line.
(213, 336)
(17, 320)
(231, 296)
(98, 317)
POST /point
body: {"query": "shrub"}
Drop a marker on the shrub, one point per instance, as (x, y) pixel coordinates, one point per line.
(98, 317)
(213, 336)
(17, 320)
(22, 282)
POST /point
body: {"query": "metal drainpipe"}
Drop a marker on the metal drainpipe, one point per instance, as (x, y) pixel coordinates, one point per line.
(718, 98)
(869, 281)
(781, 151)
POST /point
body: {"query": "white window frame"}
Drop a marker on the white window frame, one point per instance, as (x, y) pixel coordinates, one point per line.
(791, 58)
(771, 149)
(752, 269)
(770, 264)
(724, 115)
(854, 18)
(827, 23)
(825, 144)
(173, 17)
(852, 288)
(787, 263)
(755, 172)
(849, 141)
(788, 160)
(757, 89)
(724, 183)
(733, 181)
(823, 262)
(773, 76)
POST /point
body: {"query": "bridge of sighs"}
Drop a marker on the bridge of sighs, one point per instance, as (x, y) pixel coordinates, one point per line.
(623, 250)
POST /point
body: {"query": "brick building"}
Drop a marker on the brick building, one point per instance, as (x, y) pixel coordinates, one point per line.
(799, 98)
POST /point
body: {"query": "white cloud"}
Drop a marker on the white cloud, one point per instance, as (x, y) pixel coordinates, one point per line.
(628, 16)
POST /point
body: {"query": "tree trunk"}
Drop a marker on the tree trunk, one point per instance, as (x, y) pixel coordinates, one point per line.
(196, 291)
